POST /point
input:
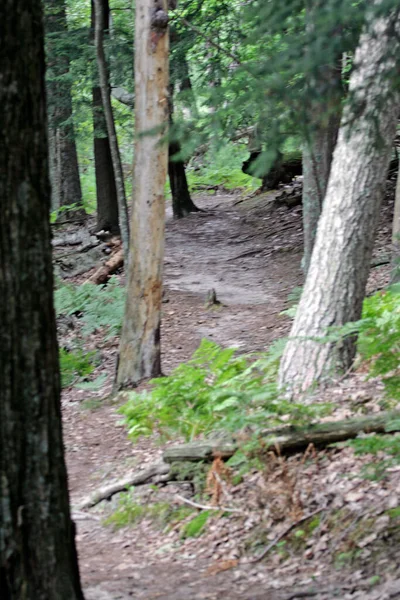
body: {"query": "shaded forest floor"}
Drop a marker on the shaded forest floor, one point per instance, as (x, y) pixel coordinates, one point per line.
(249, 252)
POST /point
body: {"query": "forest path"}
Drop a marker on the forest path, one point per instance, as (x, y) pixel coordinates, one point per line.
(249, 252)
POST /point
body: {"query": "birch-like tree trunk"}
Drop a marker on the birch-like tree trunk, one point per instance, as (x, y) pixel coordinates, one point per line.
(139, 356)
(38, 559)
(335, 285)
(395, 278)
(112, 133)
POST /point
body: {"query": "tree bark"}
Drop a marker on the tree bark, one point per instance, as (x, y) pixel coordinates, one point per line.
(182, 203)
(66, 185)
(38, 559)
(395, 276)
(335, 285)
(323, 120)
(106, 192)
(112, 134)
(139, 356)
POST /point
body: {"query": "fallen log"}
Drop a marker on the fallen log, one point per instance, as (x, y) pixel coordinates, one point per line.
(103, 273)
(290, 439)
(136, 478)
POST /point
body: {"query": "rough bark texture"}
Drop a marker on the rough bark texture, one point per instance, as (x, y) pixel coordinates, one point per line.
(336, 280)
(37, 552)
(106, 192)
(140, 341)
(112, 134)
(64, 171)
(395, 278)
(323, 120)
(182, 203)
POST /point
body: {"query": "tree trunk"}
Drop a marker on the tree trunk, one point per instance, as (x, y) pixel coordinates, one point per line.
(106, 192)
(37, 550)
(182, 203)
(112, 134)
(323, 120)
(140, 341)
(339, 267)
(395, 277)
(64, 158)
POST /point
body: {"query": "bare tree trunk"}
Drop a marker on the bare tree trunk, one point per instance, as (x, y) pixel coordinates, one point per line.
(112, 134)
(182, 203)
(106, 192)
(395, 278)
(323, 120)
(64, 158)
(38, 559)
(338, 273)
(140, 341)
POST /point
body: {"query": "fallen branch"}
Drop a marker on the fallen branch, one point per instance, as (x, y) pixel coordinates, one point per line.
(285, 533)
(206, 507)
(289, 439)
(105, 493)
(104, 272)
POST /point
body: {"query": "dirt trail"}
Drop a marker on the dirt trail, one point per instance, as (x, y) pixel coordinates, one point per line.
(250, 253)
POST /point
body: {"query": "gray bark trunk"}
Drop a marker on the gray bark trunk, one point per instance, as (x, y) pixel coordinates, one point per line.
(37, 551)
(112, 134)
(64, 158)
(338, 273)
(395, 277)
(139, 356)
(323, 120)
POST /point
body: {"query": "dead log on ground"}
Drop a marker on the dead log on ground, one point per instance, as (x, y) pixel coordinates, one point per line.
(103, 273)
(289, 439)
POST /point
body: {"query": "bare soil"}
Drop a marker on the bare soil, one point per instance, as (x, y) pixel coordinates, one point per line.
(249, 252)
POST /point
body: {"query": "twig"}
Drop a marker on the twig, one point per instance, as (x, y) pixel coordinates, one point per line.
(206, 507)
(206, 37)
(285, 533)
(82, 516)
(134, 479)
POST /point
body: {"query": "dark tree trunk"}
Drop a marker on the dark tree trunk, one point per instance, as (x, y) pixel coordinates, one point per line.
(182, 203)
(37, 550)
(106, 192)
(64, 158)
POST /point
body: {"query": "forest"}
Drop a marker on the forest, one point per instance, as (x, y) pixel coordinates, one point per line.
(200, 299)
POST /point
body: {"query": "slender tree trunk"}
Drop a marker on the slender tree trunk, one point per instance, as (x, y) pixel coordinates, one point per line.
(323, 120)
(106, 192)
(112, 134)
(64, 158)
(182, 203)
(37, 550)
(338, 273)
(139, 356)
(395, 278)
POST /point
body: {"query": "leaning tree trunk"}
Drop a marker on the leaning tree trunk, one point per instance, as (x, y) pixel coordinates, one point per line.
(338, 273)
(112, 133)
(38, 559)
(140, 341)
(66, 185)
(323, 119)
(106, 191)
(395, 278)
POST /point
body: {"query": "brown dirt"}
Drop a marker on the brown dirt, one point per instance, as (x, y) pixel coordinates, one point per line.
(250, 253)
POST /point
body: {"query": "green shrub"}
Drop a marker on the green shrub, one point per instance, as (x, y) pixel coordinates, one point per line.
(98, 306)
(215, 389)
(75, 365)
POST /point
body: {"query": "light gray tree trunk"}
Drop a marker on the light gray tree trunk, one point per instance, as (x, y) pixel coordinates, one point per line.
(112, 133)
(323, 120)
(335, 285)
(395, 278)
(139, 356)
